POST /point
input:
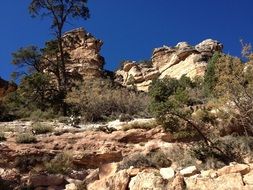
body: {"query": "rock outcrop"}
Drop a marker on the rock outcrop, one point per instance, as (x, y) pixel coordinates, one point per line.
(6, 87)
(84, 50)
(173, 62)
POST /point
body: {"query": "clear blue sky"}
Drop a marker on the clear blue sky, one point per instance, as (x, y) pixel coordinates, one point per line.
(132, 29)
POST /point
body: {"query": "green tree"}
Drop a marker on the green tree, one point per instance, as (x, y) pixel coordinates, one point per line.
(60, 11)
(210, 77)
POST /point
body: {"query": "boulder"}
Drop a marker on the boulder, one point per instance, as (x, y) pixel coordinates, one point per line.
(119, 181)
(148, 180)
(189, 171)
(167, 173)
(248, 178)
(238, 168)
(229, 181)
(96, 159)
(178, 183)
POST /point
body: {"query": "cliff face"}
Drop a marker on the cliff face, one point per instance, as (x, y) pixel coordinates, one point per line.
(174, 62)
(6, 87)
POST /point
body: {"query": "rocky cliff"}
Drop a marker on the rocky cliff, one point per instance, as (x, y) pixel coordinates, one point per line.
(6, 87)
(85, 60)
(174, 62)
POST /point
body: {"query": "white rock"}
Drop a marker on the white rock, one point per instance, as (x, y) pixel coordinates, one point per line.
(71, 186)
(189, 171)
(167, 173)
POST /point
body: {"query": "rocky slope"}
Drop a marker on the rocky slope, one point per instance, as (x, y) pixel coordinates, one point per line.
(112, 160)
(174, 62)
(6, 87)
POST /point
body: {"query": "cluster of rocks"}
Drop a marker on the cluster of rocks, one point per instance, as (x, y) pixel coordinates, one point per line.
(98, 157)
(173, 62)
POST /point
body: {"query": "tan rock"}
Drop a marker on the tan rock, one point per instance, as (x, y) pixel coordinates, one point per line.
(71, 186)
(167, 173)
(127, 66)
(119, 181)
(148, 180)
(248, 178)
(95, 160)
(238, 168)
(225, 182)
(173, 62)
(189, 171)
(107, 170)
(178, 183)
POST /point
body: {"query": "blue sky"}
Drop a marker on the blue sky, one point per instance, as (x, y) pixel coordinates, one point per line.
(132, 29)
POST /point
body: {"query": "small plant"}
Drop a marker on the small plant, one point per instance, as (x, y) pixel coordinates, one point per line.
(61, 164)
(140, 125)
(39, 128)
(26, 138)
(156, 159)
(2, 137)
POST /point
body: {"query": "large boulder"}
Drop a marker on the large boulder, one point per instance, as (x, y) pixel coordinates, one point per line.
(148, 180)
(119, 181)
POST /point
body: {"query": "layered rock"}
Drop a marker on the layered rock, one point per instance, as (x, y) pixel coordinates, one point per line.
(84, 51)
(6, 87)
(84, 59)
(173, 62)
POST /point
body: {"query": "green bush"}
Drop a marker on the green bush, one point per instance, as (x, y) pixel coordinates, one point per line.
(40, 128)
(61, 164)
(2, 137)
(25, 138)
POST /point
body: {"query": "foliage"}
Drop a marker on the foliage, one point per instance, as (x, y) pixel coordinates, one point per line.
(139, 125)
(61, 164)
(25, 138)
(210, 77)
(40, 128)
(98, 100)
(2, 137)
(234, 149)
(169, 101)
(155, 159)
(234, 90)
(34, 97)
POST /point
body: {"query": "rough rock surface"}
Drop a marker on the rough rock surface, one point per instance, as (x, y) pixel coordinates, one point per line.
(6, 87)
(84, 53)
(173, 62)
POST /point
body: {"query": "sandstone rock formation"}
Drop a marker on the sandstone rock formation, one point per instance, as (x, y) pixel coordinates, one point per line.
(6, 87)
(173, 62)
(85, 60)
(84, 50)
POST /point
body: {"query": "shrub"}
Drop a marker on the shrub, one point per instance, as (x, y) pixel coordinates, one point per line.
(98, 100)
(61, 164)
(25, 138)
(139, 125)
(155, 159)
(40, 128)
(2, 137)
